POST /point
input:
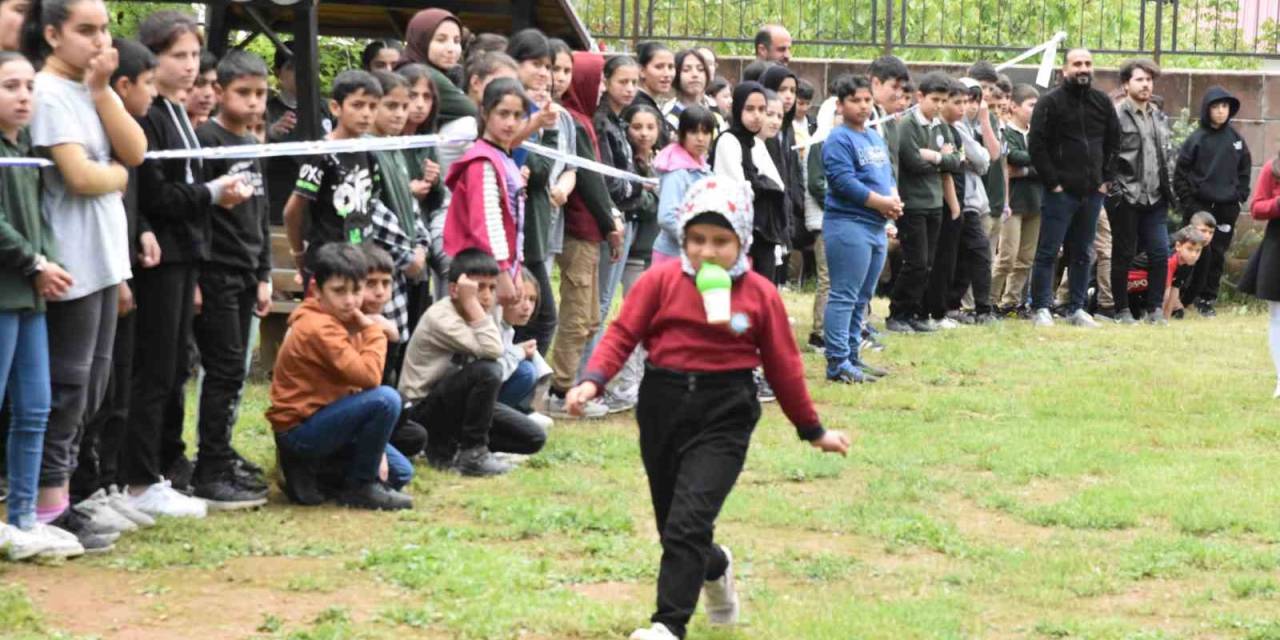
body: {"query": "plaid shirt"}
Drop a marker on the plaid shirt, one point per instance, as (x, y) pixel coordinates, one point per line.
(386, 232)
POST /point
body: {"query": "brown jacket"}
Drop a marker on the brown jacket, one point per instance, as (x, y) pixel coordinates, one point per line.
(321, 362)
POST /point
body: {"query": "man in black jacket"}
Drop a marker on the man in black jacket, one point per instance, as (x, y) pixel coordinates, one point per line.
(1212, 175)
(1138, 203)
(1073, 139)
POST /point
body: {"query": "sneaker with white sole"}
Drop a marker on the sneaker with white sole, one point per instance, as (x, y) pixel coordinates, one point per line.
(161, 499)
(616, 404)
(947, 324)
(544, 422)
(120, 503)
(722, 595)
(100, 512)
(20, 545)
(658, 631)
(60, 543)
(1081, 318)
(592, 410)
(1042, 318)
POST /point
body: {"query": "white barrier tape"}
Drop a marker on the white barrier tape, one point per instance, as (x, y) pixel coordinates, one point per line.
(590, 165)
(322, 147)
(1049, 47)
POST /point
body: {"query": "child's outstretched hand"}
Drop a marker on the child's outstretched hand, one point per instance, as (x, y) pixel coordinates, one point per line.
(578, 397)
(832, 442)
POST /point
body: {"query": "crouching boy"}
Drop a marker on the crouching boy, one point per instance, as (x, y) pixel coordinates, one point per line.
(325, 393)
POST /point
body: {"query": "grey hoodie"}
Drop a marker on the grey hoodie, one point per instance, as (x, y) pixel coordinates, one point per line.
(977, 160)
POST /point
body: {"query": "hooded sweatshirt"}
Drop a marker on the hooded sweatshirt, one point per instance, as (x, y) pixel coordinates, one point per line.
(589, 210)
(453, 101)
(737, 154)
(321, 362)
(664, 312)
(1213, 164)
(486, 211)
(677, 171)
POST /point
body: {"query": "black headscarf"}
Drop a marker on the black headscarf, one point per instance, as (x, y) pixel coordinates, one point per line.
(745, 138)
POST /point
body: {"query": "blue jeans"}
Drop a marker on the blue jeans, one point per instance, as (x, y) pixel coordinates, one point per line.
(1067, 221)
(517, 389)
(610, 278)
(362, 421)
(399, 468)
(855, 256)
(24, 373)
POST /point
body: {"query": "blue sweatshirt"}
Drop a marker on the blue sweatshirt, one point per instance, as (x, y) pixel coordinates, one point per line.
(857, 163)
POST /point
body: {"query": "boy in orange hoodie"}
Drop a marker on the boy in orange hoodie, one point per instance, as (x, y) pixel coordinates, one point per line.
(325, 393)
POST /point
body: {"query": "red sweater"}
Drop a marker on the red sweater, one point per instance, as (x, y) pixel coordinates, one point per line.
(1266, 197)
(664, 312)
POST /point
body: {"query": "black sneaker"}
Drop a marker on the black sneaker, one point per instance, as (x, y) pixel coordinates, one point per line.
(985, 318)
(375, 496)
(445, 460)
(764, 392)
(898, 325)
(299, 479)
(1206, 310)
(179, 474)
(816, 341)
(93, 538)
(223, 493)
(922, 326)
(1107, 312)
(1178, 314)
(478, 462)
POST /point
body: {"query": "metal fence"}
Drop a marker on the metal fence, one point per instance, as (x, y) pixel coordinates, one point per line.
(1238, 29)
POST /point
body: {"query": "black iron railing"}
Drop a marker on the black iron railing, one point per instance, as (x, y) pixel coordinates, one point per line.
(950, 29)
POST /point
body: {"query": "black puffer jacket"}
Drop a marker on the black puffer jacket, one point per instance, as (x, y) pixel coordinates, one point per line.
(1074, 137)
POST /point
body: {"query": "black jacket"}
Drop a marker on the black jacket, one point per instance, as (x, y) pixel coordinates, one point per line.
(615, 151)
(173, 201)
(1213, 164)
(1074, 137)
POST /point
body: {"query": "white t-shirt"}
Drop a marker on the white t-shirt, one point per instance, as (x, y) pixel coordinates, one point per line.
(91, 232)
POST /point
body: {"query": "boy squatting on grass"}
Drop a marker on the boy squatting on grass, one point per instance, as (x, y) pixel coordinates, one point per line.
(698, 402)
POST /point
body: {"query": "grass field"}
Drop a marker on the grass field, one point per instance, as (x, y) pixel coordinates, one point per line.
(1005, 483)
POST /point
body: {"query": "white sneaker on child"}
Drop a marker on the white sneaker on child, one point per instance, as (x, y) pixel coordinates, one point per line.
(544, 422)
(722, 595)
(20, 545)
(101, 513)
(658, 631)
(62, 543)
(160, 499)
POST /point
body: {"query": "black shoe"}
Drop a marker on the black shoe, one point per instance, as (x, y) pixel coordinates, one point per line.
(93, 538)
(1106, 312)
(224, 493)
(985, 318)
(1206, 310)
(299, 479)
(179, 474)
(764, 392)
(445, 460)
(1178, 314)
(375, 496)
(898, 325)
(922, 326)
(874, 372)
(816, 341)
(4, 489)
(478, 462)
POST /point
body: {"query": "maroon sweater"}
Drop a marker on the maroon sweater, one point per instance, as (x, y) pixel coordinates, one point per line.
(664, 312)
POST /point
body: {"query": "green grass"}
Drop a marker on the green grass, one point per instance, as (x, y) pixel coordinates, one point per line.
(1004, 483)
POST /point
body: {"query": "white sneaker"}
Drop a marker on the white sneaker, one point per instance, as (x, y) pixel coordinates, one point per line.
(160, 499)
(101, 513)
(1081, 318)
(543, 421)
(592, 410)
(20, 545)
(722, 595)
(658, 631)
(120, 503)
(948, 324)
(62, 543)
(1042, 318)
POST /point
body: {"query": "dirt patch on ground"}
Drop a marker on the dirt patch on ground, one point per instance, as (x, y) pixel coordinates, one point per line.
(228, 602)
(615, 592)
(977, 523)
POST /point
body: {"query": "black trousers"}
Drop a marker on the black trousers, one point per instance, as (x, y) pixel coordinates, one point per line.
(973, 265)
(1206, 278)
(694, 434)
(153, 434)
(99, 460)
(463, 412)
(918, 238)
(222, 333)
(763, 258)
(542, 326)
(943, 269)
(1135, 227)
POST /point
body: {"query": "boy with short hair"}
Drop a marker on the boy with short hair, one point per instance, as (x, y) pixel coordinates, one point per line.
(333, 198)
(452, 377)
(979, 131)
(925, 152)
(1020, 225)
(1212, 174)
(235, 283)
(946, 253)
(1188, 245)
(325, 395)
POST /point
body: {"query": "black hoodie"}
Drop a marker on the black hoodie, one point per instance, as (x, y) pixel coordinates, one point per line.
(1214, 164)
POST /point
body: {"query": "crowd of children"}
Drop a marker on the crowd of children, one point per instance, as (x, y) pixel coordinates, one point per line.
(430, 326)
